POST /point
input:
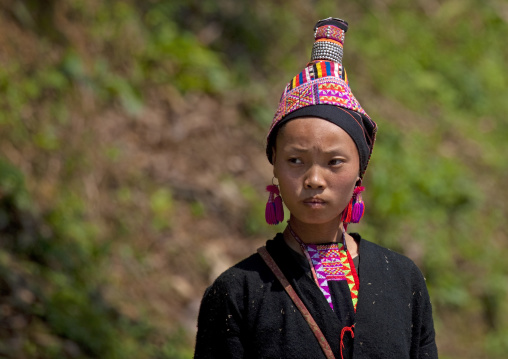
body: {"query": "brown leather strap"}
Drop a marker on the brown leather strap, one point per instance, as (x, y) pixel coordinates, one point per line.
(298, 302)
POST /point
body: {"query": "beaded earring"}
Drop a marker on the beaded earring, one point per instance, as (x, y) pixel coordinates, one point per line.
(274, 212)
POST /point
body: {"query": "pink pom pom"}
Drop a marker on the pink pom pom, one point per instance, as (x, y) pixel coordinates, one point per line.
(358, 190)
(273, 189)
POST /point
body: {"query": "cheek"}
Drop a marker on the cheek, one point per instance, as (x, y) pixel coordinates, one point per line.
(287, 186)
(345, 185)
(290, 188)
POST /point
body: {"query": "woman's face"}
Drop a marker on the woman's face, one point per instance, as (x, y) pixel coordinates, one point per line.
(317, 165)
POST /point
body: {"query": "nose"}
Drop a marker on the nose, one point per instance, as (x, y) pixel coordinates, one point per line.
(314, 178)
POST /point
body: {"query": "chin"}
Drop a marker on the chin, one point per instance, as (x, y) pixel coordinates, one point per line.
(316, 219)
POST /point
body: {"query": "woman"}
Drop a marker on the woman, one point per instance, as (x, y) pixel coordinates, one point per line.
(316, 291)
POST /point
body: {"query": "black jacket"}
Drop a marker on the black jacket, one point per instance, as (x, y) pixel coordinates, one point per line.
(246, 313)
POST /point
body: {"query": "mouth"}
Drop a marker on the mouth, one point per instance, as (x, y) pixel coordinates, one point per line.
(314, 202)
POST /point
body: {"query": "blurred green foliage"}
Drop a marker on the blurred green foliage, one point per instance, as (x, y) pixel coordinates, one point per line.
(433, 75)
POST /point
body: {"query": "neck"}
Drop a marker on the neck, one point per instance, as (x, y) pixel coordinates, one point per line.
(317, 234)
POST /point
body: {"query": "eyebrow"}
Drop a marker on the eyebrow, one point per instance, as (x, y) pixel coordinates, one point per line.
(305, 149)
(296, 148)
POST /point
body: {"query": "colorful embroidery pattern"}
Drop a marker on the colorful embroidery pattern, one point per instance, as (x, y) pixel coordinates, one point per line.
(323, 82)
(315, 71)
(330, 261)
(330, 32)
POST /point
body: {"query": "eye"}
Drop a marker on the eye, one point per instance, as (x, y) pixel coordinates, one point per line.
(295, 160)
(335, 162)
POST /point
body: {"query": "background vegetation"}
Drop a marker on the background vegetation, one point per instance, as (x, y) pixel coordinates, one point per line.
(132, 166)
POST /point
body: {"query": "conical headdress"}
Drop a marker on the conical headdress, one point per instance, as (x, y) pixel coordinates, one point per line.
(322, 90)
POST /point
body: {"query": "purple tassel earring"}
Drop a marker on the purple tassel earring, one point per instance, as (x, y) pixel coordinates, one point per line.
(358, 206)
(274, 212)
(355, 208)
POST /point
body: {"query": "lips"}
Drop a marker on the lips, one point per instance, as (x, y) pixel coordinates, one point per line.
(314, 201)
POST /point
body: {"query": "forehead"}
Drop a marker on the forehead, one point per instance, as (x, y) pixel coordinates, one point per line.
(312, 132)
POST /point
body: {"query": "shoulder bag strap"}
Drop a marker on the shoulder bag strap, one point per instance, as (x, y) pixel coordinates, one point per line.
(298, 302)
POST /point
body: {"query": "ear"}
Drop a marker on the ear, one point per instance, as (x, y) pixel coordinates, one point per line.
(274, 158)
(273, 155)
(358, 181)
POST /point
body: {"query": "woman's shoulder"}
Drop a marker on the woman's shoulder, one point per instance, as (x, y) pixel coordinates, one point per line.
(248, 270)
(379, 257)
(245, 270)
(373, 250)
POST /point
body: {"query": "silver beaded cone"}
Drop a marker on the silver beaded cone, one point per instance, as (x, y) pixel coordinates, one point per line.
(329, 40)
